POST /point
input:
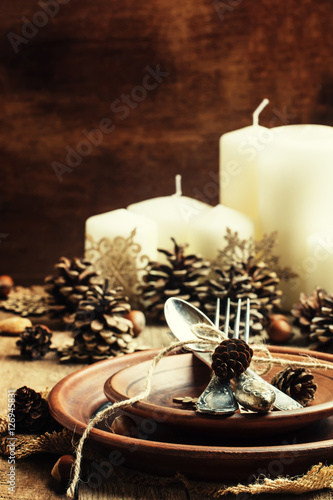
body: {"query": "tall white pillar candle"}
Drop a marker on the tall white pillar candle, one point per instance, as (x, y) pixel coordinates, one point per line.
(121, 223)
(239, 151)
(295, 193)
(319, 262)
(173, 215)
(208, 229)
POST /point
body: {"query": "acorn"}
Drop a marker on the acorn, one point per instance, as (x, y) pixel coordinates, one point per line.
(125, 426)
(138, 319)
(279, 330)
(6, 284)
(61, 472)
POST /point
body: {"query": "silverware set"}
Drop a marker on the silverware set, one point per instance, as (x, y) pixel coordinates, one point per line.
(250, 390)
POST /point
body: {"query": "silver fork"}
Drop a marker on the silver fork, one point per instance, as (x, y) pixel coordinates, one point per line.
(251, 391)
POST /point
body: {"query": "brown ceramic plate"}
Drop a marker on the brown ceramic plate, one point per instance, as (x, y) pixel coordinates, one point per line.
(165, 451)
(185, 375)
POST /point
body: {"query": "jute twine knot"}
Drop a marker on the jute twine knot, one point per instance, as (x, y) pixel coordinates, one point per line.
(208, 337)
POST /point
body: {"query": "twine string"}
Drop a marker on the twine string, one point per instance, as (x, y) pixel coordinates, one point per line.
(106, 412)
(201, 340)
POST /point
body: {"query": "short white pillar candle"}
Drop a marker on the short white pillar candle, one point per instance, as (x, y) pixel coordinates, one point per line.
(121, 222)
(208, 229)
(173, 215)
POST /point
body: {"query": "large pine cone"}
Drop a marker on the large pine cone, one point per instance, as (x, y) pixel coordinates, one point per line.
(35, 342)
(253, 280)
(314, 316)
(231, 358)
(183, 277)
(297, 383)
(31, 411)
(69, 286)
(99, 327)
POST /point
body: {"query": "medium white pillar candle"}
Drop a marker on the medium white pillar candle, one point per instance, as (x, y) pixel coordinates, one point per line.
(208, 229)
(121, 222)
(318, 265)
(295, 194)
(239, 151)
(173, 215)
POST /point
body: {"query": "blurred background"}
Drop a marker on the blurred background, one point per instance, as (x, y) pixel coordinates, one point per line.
(104, 102)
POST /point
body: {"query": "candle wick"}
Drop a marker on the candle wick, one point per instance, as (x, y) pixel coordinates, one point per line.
(257, 112)
(178, 185)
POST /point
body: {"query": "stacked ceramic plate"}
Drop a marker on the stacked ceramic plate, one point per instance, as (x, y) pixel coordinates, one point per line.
(174, 439)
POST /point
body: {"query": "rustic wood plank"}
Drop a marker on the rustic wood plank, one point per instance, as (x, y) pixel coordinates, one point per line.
(222, 59)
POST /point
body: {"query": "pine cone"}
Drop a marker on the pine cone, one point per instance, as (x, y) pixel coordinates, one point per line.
(314, 316)
(35, 342)
(297, 383)
(231, 358)
(31, 411)
(252, 280)
(25, 302)
(183, 277)
(72, 281)
(99, 327)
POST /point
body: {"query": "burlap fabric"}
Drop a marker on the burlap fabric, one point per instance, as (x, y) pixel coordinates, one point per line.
(59, 443)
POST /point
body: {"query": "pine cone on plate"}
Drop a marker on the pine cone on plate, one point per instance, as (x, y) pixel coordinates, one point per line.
(31, 411)
(70, 284)
(314, 316)
(231, 358)
(35, 342)
(250, 279)
(183, 276)
(297, 383)
(99, 327)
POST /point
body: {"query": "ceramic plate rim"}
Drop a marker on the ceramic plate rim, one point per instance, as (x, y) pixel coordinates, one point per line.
(71, 422)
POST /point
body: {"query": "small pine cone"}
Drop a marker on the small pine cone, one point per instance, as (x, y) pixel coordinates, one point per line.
(35, 342)
(297, 383)
(245, 280)
(183, 276)
(314, 316)
(231, 358)
(31, 411)
(99, 327)
(73, 279)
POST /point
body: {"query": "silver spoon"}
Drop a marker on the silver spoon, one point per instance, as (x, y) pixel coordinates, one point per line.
(218, 397)
(181, 316)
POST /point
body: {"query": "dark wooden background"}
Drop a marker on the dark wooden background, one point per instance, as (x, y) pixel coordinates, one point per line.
(222, 60)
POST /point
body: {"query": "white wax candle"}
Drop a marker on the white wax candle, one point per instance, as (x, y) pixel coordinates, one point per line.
(318, 265)
(121, 223)
(239, 151)
(208, 229)
(295, 193)
(172, 214)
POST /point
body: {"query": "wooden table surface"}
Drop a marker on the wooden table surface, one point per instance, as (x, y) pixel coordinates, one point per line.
(33, 474)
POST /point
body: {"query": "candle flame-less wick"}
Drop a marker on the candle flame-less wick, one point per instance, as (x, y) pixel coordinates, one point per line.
(257, 112)
(178, 185)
